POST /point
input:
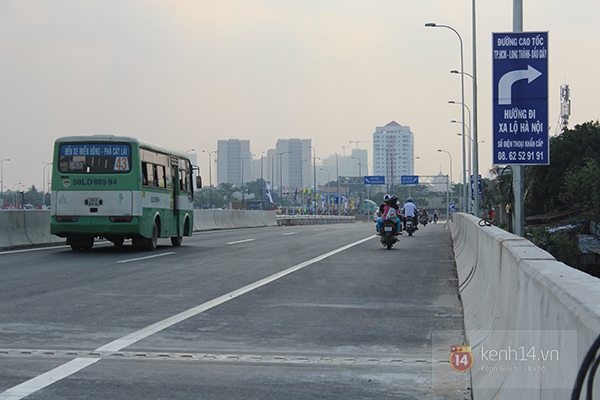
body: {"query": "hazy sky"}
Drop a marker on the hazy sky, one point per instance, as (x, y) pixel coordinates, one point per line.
(187, 73)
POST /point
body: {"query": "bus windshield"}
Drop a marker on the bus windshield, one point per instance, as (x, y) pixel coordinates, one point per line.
(94, 158)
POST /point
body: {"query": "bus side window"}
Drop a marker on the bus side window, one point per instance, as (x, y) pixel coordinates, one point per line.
(150, 171)
(182, 181)
(145, 173)
(154, 175)
(161, 176)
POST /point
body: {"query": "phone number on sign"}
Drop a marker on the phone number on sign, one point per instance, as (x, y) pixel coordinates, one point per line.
(94, 182)
(521, 155)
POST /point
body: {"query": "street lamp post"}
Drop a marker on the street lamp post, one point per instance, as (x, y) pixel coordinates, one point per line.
(2, 182)
(465, 194)
(262, 181)
(470, 171)
(46, 164)
(337, 169)
(16, 185)
(448, 205)
(462, 90)
(209, 176)
(328, 179)
(359, 165)
(450, 155)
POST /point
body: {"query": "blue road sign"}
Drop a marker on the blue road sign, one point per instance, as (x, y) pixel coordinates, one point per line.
(409, 179)
(374, 180)
(520, 78)
(480, 193)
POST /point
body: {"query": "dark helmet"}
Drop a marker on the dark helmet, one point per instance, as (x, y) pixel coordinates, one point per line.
(394, 199)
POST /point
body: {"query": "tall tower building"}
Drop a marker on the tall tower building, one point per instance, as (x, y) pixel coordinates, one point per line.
(293, 163)
(393, 152)
(233, 161)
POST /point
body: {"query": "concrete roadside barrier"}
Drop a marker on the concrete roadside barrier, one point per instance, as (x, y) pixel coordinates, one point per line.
(529, 318)
(25, 228)
(37, 227)
(268, 218)
(12, 229)
(204, 220)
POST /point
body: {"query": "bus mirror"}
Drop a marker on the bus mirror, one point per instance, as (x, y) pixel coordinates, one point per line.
(199, 182)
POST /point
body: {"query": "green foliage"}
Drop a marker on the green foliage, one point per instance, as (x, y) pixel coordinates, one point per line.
(569, 152)
(560, 244)
(581, 187)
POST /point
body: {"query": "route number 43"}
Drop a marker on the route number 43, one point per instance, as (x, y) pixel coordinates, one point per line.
(121, 164)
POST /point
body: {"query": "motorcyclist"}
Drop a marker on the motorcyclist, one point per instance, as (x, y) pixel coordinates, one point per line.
(424, 216)
(410, 210)
(436, 215)
(389, 202)
(398, 219)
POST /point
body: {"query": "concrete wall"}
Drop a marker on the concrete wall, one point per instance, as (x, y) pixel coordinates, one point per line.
(205, 220)
(32, 227)
(529, 319)
(25, 227)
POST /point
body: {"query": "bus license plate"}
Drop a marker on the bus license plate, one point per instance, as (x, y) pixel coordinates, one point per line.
(93, 202)
(388, 228)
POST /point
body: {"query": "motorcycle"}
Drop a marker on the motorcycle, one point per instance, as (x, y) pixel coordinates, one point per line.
(424, 220)
(388, 234)
(435, 218)
(410, 226)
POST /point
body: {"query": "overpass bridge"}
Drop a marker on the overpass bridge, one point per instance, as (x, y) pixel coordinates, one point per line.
(530, 321)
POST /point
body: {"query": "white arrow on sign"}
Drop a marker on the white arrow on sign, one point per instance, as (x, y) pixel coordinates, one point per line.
(507, 80)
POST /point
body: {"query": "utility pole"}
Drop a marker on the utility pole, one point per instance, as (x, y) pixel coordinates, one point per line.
(518, 175)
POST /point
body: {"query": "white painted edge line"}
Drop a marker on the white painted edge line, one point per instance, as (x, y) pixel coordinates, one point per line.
(145, 258)
(33, 385)
(47, 379)
(290, 233)
(47, 248)
(241, 241)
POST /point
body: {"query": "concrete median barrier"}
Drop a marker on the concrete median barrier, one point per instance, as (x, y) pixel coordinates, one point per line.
(529, 318)
(25, 228)
(204, 220)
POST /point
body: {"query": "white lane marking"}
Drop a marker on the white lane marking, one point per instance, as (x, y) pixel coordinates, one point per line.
(47, 248)
(47, 379)
(41, 381)
(289, 233)
(241, 241)
(145, 258)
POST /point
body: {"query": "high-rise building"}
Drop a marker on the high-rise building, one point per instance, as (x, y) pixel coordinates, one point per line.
(233, 161)
(292, 164)
(393, 152)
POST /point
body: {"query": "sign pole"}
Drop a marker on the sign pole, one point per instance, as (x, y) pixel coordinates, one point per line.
(518, 175)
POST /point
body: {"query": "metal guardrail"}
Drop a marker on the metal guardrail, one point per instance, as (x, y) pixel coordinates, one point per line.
(312, 219)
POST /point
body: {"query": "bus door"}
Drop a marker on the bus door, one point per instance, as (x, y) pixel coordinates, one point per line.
(176, 191)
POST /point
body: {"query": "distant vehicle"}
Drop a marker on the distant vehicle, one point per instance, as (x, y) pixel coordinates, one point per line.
(117, 187)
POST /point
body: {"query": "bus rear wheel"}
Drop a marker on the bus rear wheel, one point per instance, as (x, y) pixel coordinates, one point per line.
(153, 241)
(176, 241)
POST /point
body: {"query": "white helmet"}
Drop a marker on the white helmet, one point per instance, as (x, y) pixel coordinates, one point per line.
(386, 197)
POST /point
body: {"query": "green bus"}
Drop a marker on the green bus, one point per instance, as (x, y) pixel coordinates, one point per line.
(118, 188)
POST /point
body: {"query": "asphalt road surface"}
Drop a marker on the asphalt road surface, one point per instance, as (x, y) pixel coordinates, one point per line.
(304, 312)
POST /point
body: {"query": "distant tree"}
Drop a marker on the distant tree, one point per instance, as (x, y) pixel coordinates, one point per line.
(569, 152)
(256, 187)
(581, 187)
